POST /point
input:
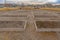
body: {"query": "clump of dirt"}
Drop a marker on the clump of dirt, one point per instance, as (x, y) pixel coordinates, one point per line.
(48, 24)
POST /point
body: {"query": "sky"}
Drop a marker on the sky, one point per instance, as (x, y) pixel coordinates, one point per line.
(1, 1)
(53, 1)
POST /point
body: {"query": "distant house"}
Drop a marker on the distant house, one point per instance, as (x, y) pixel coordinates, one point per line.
(7, 5)
(10, 5)
(1, 5)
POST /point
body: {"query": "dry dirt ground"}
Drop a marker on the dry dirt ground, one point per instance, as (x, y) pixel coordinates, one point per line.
(30, 32)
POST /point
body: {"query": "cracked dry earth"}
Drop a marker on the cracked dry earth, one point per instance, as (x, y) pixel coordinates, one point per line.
(29, 34)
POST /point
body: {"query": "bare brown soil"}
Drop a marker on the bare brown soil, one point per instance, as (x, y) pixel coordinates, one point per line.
(47, 24)
(12, 24)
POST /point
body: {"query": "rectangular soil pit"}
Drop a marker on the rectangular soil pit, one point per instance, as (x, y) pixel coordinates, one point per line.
(12, 18)
(47, 26)
(13, 15)
(14, 12)
(12, 25)
(46, 16)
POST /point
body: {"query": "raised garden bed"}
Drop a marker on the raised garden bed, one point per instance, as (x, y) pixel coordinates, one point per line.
(13, 22)
(12, 25)
(47, 23)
